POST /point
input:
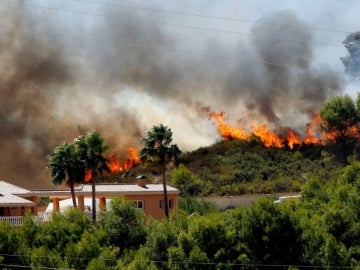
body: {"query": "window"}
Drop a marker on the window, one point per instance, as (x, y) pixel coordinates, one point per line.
(139, 204)
(170, 202)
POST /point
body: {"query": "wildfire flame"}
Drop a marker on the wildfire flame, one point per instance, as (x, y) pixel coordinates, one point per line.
(269, 138)
(116, 166)
(87, 175)
(130, 162)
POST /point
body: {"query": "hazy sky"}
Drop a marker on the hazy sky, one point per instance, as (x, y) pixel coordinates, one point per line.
(120, 67)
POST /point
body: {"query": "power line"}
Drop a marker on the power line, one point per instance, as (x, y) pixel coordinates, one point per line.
(183, 25)
(249, 264)
(172, 51)
(212, 17)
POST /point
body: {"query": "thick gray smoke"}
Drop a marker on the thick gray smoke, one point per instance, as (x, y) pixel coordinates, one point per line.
(352, 60)
(41, 105)
(270, 74)
(135, 73)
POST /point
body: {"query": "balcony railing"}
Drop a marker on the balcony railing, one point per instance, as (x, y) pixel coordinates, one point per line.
(41, 217)
(14, 220)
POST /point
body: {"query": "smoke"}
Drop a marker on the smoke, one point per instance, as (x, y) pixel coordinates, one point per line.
(137, 72)
(41, 104)
(282, 86)
(270, 74)
(352, 60)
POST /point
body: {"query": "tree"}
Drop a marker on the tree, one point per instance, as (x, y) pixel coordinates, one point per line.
(124, 224)
(66, 166)
(186, 181)
(92, 149)
(158, 147)
(271, 233)
(340, 119)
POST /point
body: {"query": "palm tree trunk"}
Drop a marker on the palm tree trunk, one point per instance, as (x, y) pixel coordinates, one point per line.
(73, 193)
(93, 199)
(166, 203)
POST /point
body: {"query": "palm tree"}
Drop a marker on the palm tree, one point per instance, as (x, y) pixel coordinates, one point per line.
(158, 147)
(66, 166)
(92, 149)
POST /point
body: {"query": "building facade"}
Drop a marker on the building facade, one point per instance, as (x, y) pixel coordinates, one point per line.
(148, 198)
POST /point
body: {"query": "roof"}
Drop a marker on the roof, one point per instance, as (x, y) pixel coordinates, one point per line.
(8, 200)
(8, 188)
(109, 189)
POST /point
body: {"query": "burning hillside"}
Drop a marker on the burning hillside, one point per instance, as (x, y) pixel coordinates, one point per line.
(119, 74)
(115, 166)
(285, 137)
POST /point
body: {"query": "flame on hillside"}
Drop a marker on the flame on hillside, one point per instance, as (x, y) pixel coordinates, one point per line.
(269, 138)
(115, 166)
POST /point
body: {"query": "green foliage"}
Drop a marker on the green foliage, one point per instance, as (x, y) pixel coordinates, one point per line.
(188, 183)
(160, 237)
(351, 173)
(124, 224)
(208, 234)
(196, 205)
(66, 166)
(43, 257)
(107, 259)
(340, 117)
(61, 230)
(157, 147)
(321, 229)
(79, 254)
(157, 144)
(91, 150)
(43, 201)
(236, 167)
(10, 244)
(271, 234)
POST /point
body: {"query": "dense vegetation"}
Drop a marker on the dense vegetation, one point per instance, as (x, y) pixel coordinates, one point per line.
(235, 167)
(321, 230)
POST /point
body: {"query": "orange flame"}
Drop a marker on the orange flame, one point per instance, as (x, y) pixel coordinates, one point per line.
(309, 137)
(88, 175)
(293, 139)
(227, 131)
(269, 138)
(115, 166)
(352, 131)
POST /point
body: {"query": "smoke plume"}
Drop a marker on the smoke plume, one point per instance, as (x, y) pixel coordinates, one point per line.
(352, 60)
(136, 72)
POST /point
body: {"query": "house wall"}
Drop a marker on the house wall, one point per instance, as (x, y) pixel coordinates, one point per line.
(13, 211)
(152, 204)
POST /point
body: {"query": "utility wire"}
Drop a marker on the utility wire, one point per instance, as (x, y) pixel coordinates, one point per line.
(176, 51)
(182, 25)
(173, 51)
(213, 17)
(250, 264)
